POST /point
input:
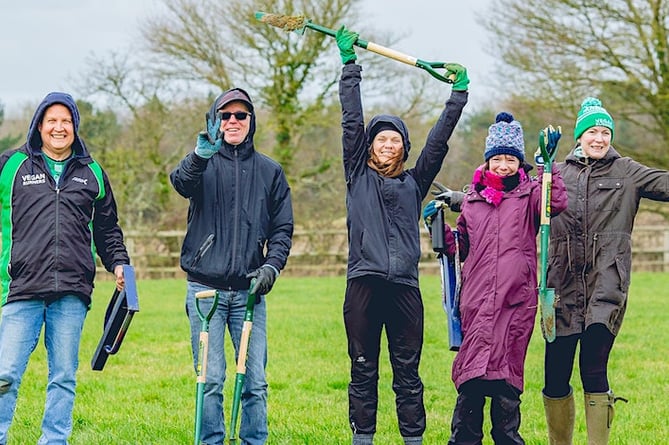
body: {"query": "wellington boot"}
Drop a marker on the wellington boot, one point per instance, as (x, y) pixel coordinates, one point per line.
(599, 416)
(560, 419)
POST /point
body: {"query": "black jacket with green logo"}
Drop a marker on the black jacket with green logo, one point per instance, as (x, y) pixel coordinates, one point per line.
(51, 233)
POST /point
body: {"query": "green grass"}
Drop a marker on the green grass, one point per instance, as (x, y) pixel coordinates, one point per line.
(145, 395)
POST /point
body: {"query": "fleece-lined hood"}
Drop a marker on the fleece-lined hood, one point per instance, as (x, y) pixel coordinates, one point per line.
(34, 138)
(386, 119)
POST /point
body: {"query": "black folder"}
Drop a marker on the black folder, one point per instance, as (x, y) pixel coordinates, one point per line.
(121, 308)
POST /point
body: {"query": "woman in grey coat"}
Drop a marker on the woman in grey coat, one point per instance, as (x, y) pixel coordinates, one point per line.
(590, 264)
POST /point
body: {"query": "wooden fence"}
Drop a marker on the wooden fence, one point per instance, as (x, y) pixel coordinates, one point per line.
(156, 254)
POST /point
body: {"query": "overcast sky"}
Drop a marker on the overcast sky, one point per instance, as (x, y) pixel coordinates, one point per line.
(44, 43)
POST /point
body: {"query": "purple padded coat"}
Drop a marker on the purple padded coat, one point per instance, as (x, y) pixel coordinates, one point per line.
(498, 300)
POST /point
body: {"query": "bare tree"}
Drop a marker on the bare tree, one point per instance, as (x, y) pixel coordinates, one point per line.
(553, 53)
(222, 44)
(194, 49)
(8, 141)
(155, 132)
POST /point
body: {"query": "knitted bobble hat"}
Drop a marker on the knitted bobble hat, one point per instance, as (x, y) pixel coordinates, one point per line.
(592, 114)
(505, 137)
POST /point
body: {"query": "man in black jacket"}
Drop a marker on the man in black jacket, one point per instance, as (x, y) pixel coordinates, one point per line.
(240, 226)
(58, 210)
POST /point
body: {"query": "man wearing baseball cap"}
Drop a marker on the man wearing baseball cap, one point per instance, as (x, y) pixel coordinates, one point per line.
(240, 227)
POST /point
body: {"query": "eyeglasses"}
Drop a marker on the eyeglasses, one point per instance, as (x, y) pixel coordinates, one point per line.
(239, 115)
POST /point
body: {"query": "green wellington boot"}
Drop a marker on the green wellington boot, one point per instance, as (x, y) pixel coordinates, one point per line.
(560, 419)
(599, 416)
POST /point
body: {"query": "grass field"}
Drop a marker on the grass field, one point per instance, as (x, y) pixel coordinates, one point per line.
(145, 395)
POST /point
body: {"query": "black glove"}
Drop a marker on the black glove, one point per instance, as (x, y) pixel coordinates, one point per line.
(452, 198)
(265, 277)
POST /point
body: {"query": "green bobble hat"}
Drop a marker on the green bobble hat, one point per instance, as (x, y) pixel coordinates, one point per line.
(592, 114)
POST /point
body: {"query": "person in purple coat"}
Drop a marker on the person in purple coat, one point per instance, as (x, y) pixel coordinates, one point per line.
(498, 230)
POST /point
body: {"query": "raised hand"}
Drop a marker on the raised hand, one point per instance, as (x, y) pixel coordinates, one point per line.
(548, 142)
(345, 41)
(210, 141)
(461, 80)
(452, 198)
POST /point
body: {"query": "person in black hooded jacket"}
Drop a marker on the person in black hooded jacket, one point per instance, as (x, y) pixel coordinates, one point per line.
(58, 211)
(240, 226)
(383, 203)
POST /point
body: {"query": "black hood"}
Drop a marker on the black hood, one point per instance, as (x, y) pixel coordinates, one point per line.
(232, 95)
(395, 122)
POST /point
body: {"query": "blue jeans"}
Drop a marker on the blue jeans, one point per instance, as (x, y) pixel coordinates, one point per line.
(230, 313)
(20, 326)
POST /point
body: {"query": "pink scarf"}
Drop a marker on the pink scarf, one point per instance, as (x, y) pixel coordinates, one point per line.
(492, 187)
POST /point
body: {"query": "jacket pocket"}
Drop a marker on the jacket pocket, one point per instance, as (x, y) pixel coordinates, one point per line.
(623, 273)
(204, 247)
(522, 292)
(608, 189)
(259, 254)
(373, 251)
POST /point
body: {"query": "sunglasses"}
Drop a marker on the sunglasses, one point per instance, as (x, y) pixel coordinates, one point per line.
(239, 115)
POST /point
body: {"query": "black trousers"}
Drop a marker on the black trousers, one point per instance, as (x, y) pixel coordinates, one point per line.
(370, 304)
(467, 421)
(593, 358)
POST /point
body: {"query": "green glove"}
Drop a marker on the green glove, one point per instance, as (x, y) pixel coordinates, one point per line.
(345, 41)
(461, 80)
(210, 141)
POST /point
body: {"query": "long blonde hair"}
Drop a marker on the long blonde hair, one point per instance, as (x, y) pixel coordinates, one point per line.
(390, 169)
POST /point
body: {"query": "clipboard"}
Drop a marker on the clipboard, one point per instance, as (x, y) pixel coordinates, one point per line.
(122, 307)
